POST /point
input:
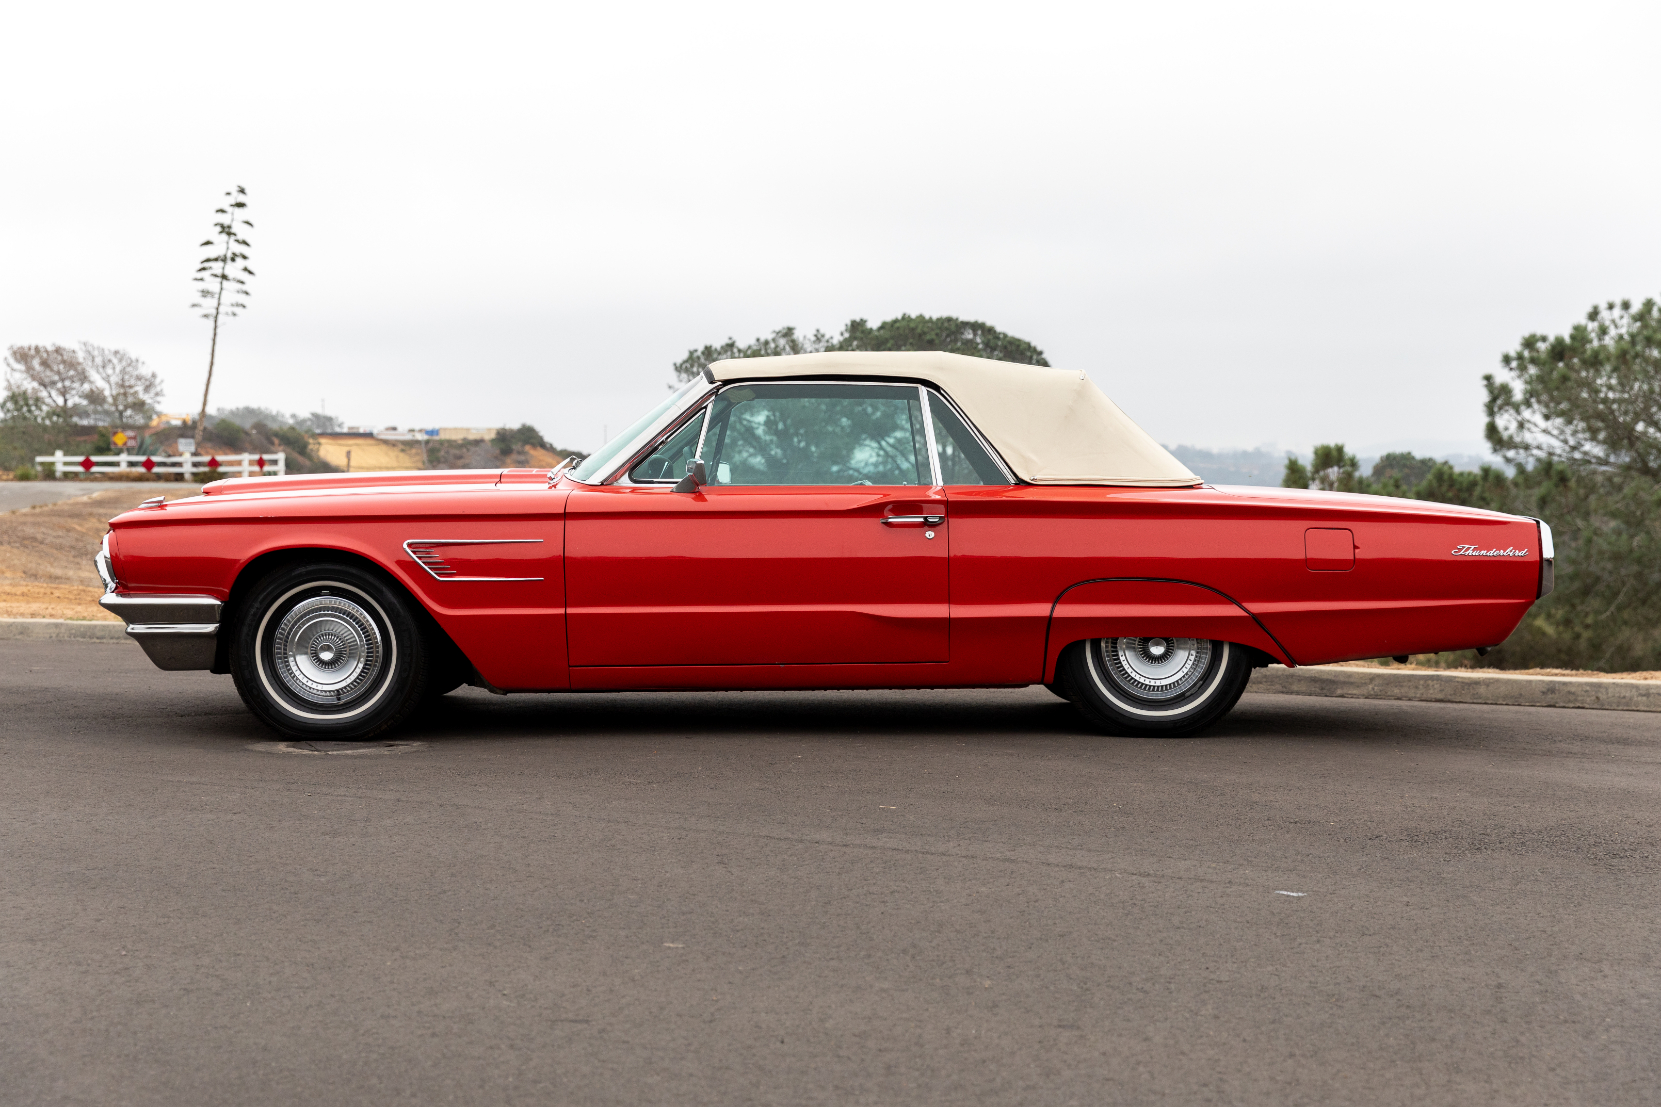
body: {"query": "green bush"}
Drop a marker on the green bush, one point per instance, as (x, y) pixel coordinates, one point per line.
(294, 440)
(231, 434)
(25, 472)
(508, 440)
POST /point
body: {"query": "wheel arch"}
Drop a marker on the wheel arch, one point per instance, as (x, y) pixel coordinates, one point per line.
(258, 568)
(1113, 607)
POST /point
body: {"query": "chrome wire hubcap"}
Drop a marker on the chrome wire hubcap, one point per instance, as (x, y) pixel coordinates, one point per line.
(1155, 668)
(327, 650)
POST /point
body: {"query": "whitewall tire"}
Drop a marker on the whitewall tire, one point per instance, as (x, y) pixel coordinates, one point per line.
(1160, 686)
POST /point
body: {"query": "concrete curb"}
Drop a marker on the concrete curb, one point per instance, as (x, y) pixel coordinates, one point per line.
(1460, 687)
(58, 630)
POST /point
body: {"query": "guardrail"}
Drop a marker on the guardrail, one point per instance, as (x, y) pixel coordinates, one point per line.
(242, 465)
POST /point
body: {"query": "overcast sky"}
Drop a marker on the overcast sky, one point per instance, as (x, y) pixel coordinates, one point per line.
(1250, 223)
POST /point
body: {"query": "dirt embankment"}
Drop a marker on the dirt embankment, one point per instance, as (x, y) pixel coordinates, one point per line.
(46, 552)
(370, 454)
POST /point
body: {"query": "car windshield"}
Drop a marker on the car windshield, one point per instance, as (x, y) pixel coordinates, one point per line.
(637, 434)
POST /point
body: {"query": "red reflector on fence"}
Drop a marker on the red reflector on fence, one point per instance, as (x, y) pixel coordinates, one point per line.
(213, 463)
(86, 464)
(261, 463)
(149, 464)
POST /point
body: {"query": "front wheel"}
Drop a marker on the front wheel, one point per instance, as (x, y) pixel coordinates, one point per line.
(1154, 687)
(328, 651)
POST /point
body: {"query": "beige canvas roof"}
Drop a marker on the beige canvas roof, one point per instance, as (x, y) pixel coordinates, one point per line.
(1053, 426)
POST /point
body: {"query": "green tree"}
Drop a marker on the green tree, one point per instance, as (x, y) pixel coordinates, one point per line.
(120, 390)
(26, 429)
(785, 340)
(942, 332)
(1335, 469)
(905, 332)
(1297, 473)
(508, 440)
(1402, 467)
(230, 435)
(54, 375)
(1589, 398)
(1487, 487)
(1581, 418)
(46, 389)
(223, 275)
(294, 441)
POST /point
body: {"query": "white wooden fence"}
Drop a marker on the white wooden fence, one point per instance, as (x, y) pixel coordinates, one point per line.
(240, 465)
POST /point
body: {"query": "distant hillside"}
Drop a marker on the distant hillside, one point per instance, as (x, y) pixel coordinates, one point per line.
(1263, 465)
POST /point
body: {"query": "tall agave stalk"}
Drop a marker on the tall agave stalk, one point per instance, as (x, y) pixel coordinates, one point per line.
(222, 280)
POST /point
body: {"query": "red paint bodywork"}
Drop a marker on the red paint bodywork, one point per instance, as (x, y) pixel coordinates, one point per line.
(643, 587)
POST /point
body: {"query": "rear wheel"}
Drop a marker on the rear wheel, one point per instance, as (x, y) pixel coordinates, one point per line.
(329, 651)
(1155, 687)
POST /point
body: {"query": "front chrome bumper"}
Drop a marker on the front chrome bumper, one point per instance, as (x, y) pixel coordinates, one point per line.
(177, 632)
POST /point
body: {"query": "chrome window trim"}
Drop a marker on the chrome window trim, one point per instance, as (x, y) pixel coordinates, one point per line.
(928, 437)
(991, 451)
(928, 426)
(697, 411)
(651, 438)
(702, 406)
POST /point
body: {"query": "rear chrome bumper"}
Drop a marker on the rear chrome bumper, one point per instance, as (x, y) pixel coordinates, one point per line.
(177, 632)
(1548, 560)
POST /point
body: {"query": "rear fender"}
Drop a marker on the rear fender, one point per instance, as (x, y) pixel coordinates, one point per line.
(1143, 608)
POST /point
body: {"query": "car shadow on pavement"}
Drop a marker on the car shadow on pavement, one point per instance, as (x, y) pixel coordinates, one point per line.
(870, 714)
(995, 714)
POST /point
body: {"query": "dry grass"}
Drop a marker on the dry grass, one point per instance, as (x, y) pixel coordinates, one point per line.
(375, 455)
(46, 553)
(372, 455)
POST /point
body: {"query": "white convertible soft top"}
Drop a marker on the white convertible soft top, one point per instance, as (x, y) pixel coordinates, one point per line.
(1053, 426)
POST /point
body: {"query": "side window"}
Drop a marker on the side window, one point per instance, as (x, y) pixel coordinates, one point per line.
(795, 434)
(668, 461)
(963, 460)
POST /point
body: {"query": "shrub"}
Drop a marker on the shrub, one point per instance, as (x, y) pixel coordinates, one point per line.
(293, 439)
(507, 440)
(231, 434)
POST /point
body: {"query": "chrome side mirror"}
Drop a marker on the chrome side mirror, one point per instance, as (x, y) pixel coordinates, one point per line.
(696, 475)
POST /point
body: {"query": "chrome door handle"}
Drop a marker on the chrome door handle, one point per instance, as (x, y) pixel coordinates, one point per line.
(921, 520)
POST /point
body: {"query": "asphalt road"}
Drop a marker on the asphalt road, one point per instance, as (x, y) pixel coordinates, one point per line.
(830, 898)
(18, 495)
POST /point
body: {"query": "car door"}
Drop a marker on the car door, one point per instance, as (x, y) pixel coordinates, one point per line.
(821, 538)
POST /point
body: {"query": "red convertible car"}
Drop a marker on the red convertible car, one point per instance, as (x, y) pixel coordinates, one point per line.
(842, 520)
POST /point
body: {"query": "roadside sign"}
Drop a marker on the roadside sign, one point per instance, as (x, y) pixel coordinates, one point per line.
(187, 445)
(120, 438)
